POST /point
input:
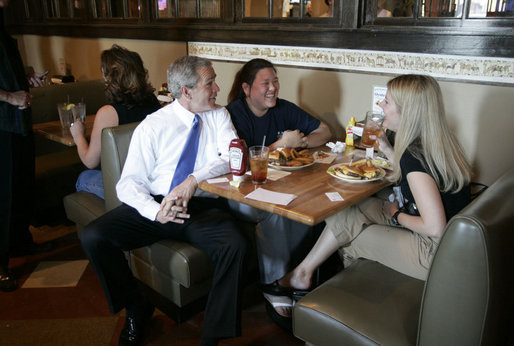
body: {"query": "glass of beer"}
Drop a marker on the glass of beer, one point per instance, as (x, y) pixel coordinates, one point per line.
(373, 127)
(259, 163)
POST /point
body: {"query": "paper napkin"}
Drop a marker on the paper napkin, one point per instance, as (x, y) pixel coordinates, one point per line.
(217, 180)
(334, 196)
(271, 196)
(275, 174)
(337, 147)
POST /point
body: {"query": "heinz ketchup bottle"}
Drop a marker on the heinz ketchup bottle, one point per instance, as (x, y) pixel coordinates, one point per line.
(238, 158)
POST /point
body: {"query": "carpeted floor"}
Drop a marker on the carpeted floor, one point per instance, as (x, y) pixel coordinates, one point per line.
(60, 302)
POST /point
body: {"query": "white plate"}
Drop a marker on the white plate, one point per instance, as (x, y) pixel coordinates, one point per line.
(380, 176)
(290, 168)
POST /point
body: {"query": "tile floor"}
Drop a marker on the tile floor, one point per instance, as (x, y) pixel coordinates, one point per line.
(60, 302)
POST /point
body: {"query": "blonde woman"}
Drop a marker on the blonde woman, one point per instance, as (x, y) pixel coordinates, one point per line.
(433, 176)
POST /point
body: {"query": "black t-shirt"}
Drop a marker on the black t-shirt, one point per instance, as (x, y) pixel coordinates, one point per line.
(284, 116)
(452, 202)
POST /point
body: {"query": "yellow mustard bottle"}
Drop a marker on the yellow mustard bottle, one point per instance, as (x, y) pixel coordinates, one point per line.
(349, 132)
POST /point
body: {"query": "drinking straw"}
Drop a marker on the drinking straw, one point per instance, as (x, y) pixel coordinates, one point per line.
(263, 142)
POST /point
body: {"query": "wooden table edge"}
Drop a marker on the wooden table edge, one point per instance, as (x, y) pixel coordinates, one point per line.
(270, 207)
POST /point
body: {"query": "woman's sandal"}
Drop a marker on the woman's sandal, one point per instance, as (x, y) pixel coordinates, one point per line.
(276, 289)
(283, 322)
(299, 294)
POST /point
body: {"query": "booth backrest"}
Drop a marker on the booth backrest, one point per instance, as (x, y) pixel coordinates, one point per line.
(468, 298)
(45, 99)
(115, 143)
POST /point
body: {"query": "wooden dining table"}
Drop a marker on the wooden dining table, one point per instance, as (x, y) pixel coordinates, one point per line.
(309, 184)
(53, 131)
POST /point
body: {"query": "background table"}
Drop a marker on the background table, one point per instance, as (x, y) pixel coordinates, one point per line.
(309, 184)
(54, 131)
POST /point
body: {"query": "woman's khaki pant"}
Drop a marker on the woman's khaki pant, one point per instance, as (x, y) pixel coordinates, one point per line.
(363, 230)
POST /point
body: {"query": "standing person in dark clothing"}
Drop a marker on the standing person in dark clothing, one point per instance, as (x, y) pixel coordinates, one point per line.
(16, 153)
(131, 97)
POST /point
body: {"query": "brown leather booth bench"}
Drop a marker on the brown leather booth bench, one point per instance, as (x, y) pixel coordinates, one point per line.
(466, 300)
(176, 275)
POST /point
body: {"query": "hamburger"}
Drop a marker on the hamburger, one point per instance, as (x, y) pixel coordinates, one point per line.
(349, 172)
(274, 156)
(357, 172)
(360, 163)
(281, 156)
(370, 172)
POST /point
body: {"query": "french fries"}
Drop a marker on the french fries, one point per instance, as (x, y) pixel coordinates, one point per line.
(292, 158)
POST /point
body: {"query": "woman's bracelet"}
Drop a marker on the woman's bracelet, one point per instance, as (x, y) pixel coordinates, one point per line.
(394, 218)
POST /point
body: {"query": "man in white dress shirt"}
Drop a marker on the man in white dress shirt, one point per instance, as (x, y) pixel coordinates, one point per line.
(150, 212)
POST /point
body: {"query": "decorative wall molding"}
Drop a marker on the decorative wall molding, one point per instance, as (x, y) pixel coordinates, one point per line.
(451, 67)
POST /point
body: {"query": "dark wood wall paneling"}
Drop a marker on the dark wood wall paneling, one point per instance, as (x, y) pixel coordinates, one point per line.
(453, 37)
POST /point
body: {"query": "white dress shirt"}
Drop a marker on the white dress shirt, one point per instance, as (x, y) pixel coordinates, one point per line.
(155, 149)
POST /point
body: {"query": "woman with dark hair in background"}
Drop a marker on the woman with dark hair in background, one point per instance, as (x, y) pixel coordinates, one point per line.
(132, 98)
(257, 112)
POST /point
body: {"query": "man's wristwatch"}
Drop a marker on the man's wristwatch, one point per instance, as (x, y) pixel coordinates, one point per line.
(394, 218)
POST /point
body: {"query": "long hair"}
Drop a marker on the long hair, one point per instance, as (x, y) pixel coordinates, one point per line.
(247, 75)
(424, 131)
(126, 77)
(184, 72)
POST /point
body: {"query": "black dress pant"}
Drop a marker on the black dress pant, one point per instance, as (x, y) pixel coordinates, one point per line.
(210, 229)
(16, 191)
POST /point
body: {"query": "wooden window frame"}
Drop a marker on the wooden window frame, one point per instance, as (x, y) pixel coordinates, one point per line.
(353, 27)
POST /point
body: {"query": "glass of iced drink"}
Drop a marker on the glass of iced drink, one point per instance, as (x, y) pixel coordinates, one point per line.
(259, 163)
(65, 114)
(373, 126)
(79, 112)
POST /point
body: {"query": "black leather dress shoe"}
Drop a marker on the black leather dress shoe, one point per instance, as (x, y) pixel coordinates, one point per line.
(7, 282)
(133, 330)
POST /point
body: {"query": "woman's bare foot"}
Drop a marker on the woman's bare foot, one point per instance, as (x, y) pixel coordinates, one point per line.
(298, 278)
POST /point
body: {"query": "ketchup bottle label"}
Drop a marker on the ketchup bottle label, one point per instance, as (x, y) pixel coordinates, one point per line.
(236, 159)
